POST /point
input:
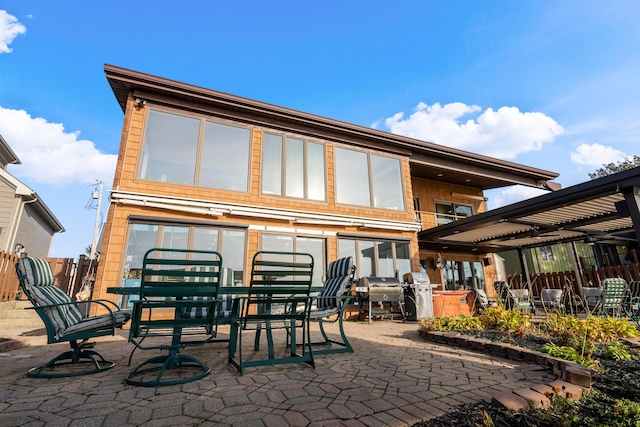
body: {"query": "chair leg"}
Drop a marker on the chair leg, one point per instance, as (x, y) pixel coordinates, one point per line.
(162, 364)
(77, 356)
(343, 346)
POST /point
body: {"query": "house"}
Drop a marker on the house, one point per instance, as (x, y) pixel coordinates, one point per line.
(202, 169)
(26, 223)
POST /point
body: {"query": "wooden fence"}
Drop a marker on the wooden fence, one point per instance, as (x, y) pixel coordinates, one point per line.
(69, 274)
(8, 276)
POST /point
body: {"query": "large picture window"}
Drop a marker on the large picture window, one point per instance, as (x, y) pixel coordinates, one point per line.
(365, 179)
(170, 146)
(231, 243)
(375, 258)
(293, 167)
(225, 157)
(172, 143)
(294, 243)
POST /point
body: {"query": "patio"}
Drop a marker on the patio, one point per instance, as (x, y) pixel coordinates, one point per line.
(394, 378)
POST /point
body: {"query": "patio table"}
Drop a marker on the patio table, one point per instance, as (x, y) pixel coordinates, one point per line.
(236, 291)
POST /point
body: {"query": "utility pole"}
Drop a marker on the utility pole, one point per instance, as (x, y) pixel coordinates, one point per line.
(97, 194)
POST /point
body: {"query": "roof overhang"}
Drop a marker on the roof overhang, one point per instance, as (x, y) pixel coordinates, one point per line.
(427, 160)
(605, 210)
(28, 196)
(7, 153)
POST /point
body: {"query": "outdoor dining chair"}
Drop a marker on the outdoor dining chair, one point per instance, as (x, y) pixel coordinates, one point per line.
(178, 299)
(614, 291)
(512, 299)
(550, 300)
(278, 298)
(632, 301)
(330, 305)
(64, 322)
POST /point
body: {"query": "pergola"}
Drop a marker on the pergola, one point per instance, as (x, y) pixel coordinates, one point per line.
(604, 210)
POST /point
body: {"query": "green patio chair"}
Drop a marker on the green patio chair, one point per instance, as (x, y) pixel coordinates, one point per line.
(178, 299)
(64, 322)
(614, 291)
(330, 305)
(278, 297)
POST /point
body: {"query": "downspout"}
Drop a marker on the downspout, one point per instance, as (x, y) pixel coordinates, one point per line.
(11, 241)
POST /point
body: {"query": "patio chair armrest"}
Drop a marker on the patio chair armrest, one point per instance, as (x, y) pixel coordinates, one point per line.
(52, 305)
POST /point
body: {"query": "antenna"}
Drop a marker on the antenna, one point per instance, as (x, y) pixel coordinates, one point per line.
(97, 194)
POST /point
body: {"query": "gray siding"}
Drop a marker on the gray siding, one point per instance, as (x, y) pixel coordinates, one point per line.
(8, 202)
(34, 233)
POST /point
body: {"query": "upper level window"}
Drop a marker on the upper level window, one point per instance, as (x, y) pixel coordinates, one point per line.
(172, 143)
(449, 212)
(365, 179)
(170, 146)
(293, 167)
(225, 157)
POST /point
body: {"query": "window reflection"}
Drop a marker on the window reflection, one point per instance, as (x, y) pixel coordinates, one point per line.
(292, 243)
(272, 164)
(225, 157)
(387, 183)
(169, 150)
(352, 177)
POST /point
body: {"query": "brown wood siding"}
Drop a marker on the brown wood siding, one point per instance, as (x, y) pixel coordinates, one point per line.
(429, 192)
(116, 228)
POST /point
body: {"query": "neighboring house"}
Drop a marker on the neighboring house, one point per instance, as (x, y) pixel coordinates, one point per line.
(203, 169)
(26, 223)
(556, 258)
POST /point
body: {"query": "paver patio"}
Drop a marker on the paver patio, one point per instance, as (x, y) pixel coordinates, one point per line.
(394, 378)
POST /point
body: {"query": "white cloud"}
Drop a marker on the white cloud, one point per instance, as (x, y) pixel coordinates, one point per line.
(509, 195)
(596, 155)
(504, 133)
(10, 28)
(49, 154)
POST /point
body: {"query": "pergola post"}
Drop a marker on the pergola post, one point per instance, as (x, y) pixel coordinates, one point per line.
(525, 270)
(577, 267)
(633, 204)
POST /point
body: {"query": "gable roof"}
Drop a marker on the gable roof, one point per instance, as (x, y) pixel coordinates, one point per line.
(606, 209)
(7, 156)
(30, 196)
(427, 160)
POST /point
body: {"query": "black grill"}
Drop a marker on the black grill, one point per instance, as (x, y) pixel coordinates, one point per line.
(380, 290)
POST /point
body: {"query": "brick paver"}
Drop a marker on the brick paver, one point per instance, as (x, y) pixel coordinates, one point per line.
(394, 378)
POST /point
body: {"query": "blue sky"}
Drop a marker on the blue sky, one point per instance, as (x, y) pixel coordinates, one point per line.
(549, 84)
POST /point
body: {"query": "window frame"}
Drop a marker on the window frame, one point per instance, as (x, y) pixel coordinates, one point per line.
(376, 241)
(370, 172)
(283, 166)
(197, 166)
(318, 267)
(546, 253)
(191, 231)
(453, 205)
